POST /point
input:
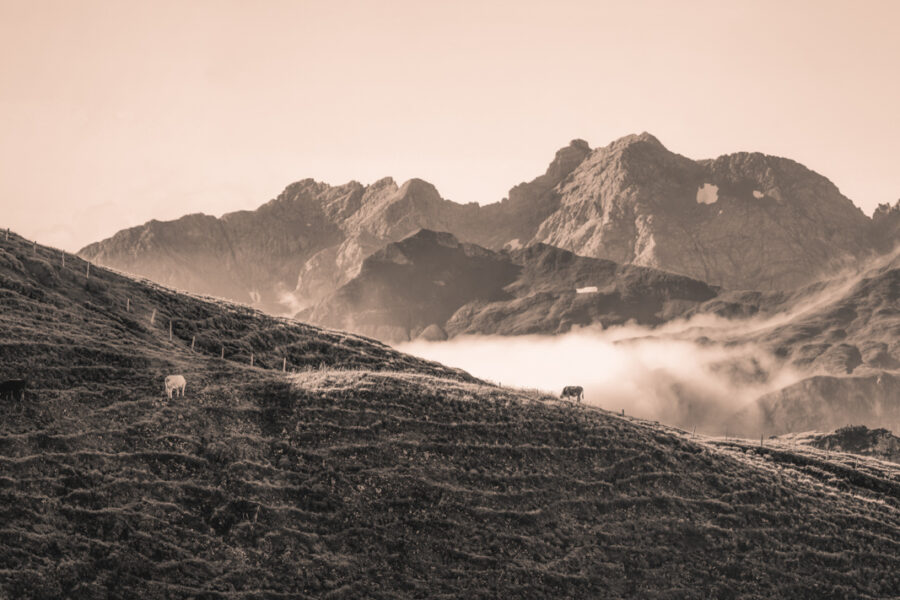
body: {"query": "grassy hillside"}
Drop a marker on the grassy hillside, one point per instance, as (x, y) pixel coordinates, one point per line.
(369, 474)
(75, 327)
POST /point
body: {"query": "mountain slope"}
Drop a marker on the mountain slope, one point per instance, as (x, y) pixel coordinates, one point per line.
(431, 278)
(742, 221)
(377, 475)
(839, 338)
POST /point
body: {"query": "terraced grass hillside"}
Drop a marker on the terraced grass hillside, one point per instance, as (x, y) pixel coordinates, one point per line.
(67, 325)
(369, 474)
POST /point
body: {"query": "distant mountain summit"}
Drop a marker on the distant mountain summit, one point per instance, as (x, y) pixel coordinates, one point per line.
(742, 221)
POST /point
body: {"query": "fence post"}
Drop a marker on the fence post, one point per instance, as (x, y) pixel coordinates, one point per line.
(283, 365)
(251, 359)
(7, 234)
(127, 304)
(193, 339)
(170, 330)
(153, 317)
(64, 259)
(223, 352)
(87, 272)
(34, 247)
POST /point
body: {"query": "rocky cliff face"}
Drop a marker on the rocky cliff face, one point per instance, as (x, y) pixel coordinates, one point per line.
(742, 221)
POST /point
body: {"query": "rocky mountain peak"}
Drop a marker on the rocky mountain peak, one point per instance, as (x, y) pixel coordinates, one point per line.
(419, 188)
(567, 159)
(886, 210)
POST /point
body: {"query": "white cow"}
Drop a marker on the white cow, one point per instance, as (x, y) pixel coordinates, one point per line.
(175, 383)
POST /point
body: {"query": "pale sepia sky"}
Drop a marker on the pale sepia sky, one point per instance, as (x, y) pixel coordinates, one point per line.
(116, 112)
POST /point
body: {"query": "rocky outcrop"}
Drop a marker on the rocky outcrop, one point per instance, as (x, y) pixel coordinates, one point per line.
(859, 439)
(886, 222)
(742, 221)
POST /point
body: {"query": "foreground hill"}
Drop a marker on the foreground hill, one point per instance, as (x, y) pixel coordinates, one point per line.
(372, 474)
(431, 280)
(742, 221)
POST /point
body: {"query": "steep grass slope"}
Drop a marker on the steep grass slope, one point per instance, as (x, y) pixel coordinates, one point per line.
(76, 324)
(369, 474)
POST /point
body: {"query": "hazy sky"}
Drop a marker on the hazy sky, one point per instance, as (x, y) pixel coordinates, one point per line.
(112, 113)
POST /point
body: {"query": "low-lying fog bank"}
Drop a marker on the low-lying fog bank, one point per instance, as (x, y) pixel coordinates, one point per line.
(708, 371)
(650, 374)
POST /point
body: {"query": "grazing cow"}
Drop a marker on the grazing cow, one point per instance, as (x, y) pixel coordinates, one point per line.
(13, 388)
(175, 383)
(573, 391)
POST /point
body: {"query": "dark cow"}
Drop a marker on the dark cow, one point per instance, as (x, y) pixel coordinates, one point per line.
(12, 389)
(573, 391)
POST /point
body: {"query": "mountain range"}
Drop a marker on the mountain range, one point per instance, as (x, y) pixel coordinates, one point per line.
(740, 221)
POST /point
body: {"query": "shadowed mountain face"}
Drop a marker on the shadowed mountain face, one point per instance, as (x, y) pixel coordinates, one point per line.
(742, 221)
(370, 473)
(431, 279)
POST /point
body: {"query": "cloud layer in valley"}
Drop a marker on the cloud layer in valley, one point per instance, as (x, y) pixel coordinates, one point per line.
(649, 374)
